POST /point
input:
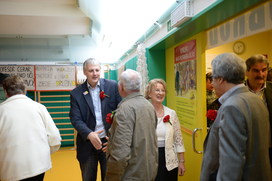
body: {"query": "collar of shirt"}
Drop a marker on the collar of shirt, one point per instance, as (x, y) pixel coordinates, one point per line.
(264, 87)
(226, 95)
(90, 87)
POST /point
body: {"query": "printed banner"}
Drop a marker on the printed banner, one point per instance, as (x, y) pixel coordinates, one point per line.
(250, 23)
(185, 84)
(185, 52)
(50, 77)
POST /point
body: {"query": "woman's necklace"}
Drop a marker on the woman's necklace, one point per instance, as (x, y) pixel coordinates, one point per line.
(160, 112)
(160, 118)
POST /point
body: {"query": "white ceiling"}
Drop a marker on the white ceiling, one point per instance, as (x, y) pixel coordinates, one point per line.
(116, 26)
(122, 22)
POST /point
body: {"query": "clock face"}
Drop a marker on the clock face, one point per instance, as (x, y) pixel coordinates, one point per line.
(239, 47)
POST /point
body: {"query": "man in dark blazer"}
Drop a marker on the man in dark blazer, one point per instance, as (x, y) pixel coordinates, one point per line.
(257, 69)
(236, 146)
(90, 104)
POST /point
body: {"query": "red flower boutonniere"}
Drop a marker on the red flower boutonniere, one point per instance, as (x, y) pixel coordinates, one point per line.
(167, 119)
(109, 118)
(103, 95)
(211, 115)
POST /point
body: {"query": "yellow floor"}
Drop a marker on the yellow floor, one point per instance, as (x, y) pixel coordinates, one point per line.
(65, 167)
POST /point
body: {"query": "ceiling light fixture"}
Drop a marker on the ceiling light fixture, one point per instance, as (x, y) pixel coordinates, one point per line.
(137, 43)
(157, 23)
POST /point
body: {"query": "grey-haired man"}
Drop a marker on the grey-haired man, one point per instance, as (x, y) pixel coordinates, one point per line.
(132, 151)
(236, 147)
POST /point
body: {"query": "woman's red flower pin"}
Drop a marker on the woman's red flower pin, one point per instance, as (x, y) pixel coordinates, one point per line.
(103, 95)
(109, 118)
(167, 119)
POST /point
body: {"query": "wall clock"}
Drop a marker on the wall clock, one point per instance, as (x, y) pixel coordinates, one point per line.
(239, 47)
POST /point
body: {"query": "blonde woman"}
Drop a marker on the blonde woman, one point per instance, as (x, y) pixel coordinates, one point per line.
(170, 141)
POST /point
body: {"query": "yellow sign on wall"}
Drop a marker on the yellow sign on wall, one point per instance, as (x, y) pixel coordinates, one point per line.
(185, 83)
(191, 105)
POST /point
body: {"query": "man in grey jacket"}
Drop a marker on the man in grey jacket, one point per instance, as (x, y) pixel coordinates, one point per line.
(132, 150)
(236, 147)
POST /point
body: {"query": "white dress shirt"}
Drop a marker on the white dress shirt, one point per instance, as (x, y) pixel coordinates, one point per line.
(95, 92)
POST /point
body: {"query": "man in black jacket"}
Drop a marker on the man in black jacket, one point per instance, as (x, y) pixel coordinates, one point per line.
(90, 104)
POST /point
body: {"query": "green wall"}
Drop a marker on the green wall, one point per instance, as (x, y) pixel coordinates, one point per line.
(64, 115)
(156, 65)
(113, 75)
(132, 63)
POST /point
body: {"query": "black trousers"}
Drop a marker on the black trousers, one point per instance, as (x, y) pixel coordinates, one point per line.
(35, 178)
(163, 174)
(89, 168)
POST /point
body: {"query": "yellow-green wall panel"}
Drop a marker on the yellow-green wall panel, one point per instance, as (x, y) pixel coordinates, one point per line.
(193, 160)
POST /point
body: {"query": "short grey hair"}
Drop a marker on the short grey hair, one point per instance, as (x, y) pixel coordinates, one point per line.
(256, 58)
(131, 80)
(230, 67)
(91, 61)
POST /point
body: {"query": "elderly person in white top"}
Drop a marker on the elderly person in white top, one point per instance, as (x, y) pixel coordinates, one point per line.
(170, 141)
(28, 135)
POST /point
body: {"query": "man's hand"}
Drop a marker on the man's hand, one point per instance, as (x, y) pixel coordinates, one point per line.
(93, 137)
(104, 149)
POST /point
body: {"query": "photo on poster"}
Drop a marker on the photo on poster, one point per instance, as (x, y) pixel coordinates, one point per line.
(185, 79)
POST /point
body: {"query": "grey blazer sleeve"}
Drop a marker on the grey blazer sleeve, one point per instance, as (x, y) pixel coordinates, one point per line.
(232, 144)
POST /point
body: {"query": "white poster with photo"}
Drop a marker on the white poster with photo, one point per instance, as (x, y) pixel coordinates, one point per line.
(26, 72)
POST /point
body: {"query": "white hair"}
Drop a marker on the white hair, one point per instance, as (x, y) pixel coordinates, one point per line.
(131, 80)
(230, 67)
